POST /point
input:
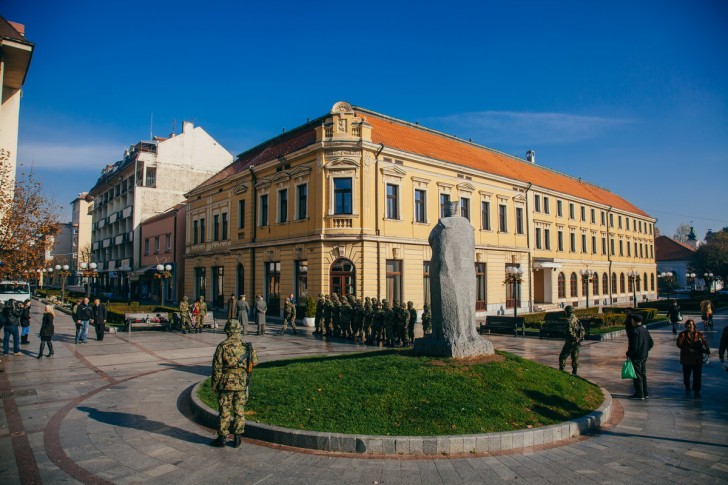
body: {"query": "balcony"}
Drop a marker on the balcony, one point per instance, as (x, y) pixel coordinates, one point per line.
(106, 242)
(127, 212)
(341, 222)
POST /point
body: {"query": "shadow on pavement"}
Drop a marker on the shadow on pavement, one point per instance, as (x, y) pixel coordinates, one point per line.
(199, 369)
(135, 421)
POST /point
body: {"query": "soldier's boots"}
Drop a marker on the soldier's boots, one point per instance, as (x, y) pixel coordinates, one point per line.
(237, 440)
(218, 442)
(573, 371)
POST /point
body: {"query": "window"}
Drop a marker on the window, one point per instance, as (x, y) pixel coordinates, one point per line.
(224, 233)
(594, 245)
(538, 238)
(263, 210)
(301, 281)
(559, 208)
(342, 277)
(146, 243)
(560, 239)
(485, 215)
(574, 285)
(621, 282)
(621, 247)
(619, 221)
(604, 245)
(635, 248)
(216, 227)
(546, 207)
(605, 284)
(156, 245)
(168, 245)
(519, 220)
(583, 244)
(561, 285)
(342, 195)
(583, 214)
(641, 253)
(200, 282)
(202, 229)
(571, 211)
(392, 201)
(465, 207)
(652, 282)
(273, 286)
(537, 203)
(283, 206)
(611, 220)
(502, 218)
(513, 292)
(420, 206)
(595, 284)
(218, 290)
(614, 283)
(195, 234)
(604, 218)
(547, 239)
(444, 201)
(426, 282)
(394, 280)
(626, 223)
(241, 214)
(572, 242)
(629, 251)
(593, 216)
(151, 180)
(611, 244)
(302, 195)
(480, 293)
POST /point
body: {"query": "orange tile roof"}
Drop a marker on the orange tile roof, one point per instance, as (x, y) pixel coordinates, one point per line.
(667, 249)
(415, 139)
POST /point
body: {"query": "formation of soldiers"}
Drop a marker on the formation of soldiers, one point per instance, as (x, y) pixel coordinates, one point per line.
(370, 321)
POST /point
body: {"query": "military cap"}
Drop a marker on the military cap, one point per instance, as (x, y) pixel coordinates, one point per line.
(185, 298)
(569, 309)
(232, 326)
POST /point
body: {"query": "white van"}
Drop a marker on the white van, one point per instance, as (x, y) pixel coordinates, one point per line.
(16, 290)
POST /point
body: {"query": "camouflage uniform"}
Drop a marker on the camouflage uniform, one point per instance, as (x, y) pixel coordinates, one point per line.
(389, 317)
(202, 306)
(327, 312)
(402, 325)
(412, 321)
(184, 314)
(367, 318)
(426, 319)
(336, 315)
(319, 324)
(289, 315)
(574, 336)
(378, 322)
(345, 318)
(232, 362)
(357, 321)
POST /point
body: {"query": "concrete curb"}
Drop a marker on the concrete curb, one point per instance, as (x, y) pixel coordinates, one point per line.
(623, 333)
(414, 445)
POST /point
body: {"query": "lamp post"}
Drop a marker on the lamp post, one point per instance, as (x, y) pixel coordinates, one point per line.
(514, 276)
(634, 277)
(690, 279)
(89, 271)
(666, 277)
(708, 277)
(587, 276)
(164, 272)
(63, 272)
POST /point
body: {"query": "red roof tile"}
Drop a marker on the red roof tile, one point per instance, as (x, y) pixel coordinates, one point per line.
(667, 249)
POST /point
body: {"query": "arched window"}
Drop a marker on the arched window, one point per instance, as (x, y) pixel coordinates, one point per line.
(595, 284)
(652, 281)
(637, 282)
(621, 282)
(629, 284)
(343, 275)
(584, 286)
(240, 277)
(605, 284)
(562, 285)
(614, 283)
(644, 281)
(574, 285)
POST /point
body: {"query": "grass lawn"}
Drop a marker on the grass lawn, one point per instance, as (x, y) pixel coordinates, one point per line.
(397, 393)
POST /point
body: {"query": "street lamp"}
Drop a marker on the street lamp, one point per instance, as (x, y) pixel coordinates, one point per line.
(690, 279)
(63, 272)
(587, 276)
(634, 277)
(514, 276)
(708, 277)
(89, 271)
(666, 277)
(164, 272)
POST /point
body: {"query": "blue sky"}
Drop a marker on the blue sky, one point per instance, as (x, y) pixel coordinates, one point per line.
(630, 95)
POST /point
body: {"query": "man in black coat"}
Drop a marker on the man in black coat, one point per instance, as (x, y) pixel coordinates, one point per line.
(640, 344)
(99, 319)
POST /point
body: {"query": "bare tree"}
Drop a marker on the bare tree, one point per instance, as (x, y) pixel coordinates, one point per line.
(682, 232)
(27, 222)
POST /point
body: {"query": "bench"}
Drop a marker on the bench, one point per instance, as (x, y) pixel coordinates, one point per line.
(557, 328)
(146, 319)
(498, 324)
(208, 322)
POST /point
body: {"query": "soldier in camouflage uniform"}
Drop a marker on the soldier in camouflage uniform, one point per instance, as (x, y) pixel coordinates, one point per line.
(184, 314)
(336, 315)
(289, 315)
(357, 321)
(412, 322)
(378, 322)
(327, 312)
(389, 317)
(345, 317)
(404, 319)
(202, 307)
(574, 335)
(231, 365)
(318, 322)
(367, 317)
(426, 319)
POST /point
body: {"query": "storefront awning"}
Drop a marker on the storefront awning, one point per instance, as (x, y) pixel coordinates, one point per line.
(144, 269)
(546, 265)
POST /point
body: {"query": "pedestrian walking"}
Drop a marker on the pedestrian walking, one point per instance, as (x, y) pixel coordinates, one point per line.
(706, 312)
(46, 331)
(243, 311)
(692, 346)
(99, 319)
(11, 313)
(25, 323)
(260, 309)
(638, 351)
(573, 335)
(184, 315)
(232, 365)
(289, 315)
(84, 316)
(674, 315)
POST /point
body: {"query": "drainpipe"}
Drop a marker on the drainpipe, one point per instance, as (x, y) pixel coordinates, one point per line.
(376, 220)
(528, 246)
(255, 230)
(609, 257)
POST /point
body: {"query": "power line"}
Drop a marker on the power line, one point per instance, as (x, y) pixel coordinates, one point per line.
(723, 221)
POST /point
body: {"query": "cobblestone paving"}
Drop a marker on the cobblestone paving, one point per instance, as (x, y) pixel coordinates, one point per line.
(115, 412)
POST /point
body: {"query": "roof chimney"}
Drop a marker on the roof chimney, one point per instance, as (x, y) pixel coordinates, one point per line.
(531, 156)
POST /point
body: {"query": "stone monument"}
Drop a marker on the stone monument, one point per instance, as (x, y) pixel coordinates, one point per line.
(452, 291)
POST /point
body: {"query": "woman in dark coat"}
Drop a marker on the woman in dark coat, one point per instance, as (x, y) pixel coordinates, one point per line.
(673, 313)
(692, 345)
(46, 331)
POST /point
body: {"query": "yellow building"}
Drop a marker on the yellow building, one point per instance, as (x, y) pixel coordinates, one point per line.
(346, 202)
